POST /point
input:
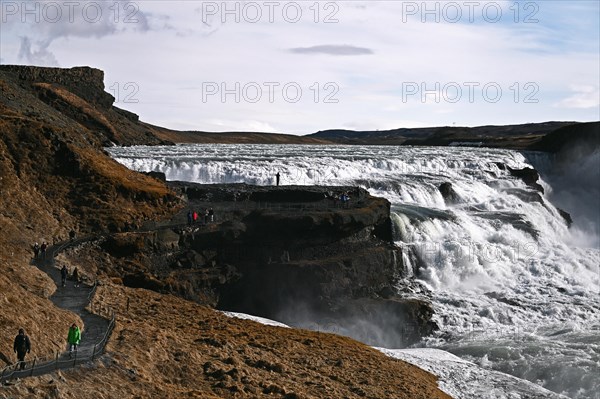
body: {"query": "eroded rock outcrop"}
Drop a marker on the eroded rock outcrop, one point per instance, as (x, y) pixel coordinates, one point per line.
(74, 94)
(294, 254)
(529, 176)
(447, 191)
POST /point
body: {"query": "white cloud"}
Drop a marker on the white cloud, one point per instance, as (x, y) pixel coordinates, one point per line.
(36, 57)
(333, 49)
(583, 97)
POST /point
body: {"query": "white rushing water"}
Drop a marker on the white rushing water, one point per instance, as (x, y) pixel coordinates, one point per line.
(514, 289)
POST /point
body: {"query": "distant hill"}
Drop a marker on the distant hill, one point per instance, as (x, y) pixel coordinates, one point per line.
(586, 136)
(199, 137)
(509, 136)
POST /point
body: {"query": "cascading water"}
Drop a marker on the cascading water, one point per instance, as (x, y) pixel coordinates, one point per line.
(513, 287)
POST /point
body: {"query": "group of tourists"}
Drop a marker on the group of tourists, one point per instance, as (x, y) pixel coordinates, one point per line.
(344, 197)
(22, 344)
(206, 217)
(339, 199)
(39, 251)
(64, 274)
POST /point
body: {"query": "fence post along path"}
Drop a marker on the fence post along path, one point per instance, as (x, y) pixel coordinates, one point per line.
(95, 332)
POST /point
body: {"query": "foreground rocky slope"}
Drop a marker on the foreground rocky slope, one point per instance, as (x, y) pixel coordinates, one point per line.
(55, 179)
(165, 347)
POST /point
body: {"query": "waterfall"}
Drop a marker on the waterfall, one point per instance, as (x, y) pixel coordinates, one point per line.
(496, 253)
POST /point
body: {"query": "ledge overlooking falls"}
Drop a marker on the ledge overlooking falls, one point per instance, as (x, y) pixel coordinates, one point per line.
(298, 254)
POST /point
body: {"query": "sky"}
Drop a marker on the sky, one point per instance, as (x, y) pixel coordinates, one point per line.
(304, 66)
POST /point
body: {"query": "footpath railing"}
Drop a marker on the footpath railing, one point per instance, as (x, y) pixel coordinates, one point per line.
(64, 360)
(59, 361)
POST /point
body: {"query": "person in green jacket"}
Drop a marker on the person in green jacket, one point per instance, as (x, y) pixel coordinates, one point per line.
(73, 338)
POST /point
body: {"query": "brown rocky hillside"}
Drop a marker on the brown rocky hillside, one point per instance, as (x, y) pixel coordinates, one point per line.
(54, 178)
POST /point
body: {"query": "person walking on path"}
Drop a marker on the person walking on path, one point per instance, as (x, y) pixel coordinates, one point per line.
(36, 250)
(63, 275)
(21, 346)
(76, 277)
(277, 176)
(73, 339)
(43, 249)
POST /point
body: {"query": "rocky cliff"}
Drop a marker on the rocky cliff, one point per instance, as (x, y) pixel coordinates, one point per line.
(55, 177)
(78, 95)
(582, 138)
(294, 254)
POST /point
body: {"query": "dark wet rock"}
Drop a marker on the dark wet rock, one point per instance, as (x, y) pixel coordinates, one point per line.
(525, 195)
(450, 196)
(562, 290)
(387, 292)
(501, 298)
(518, 221)
(529, 175)
(566, 216)
(420, 214)
(501, 165)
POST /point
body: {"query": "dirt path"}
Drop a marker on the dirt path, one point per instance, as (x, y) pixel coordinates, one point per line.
(95, 330)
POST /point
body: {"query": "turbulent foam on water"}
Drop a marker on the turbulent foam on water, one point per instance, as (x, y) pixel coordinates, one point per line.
(514, 288)
(465, 380)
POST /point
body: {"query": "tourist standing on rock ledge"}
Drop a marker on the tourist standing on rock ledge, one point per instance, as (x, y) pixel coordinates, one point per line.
(73, 338)
(277, 176)
(21, 346)
(36, 250)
